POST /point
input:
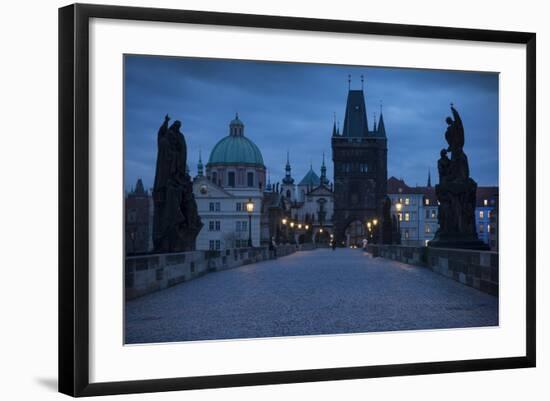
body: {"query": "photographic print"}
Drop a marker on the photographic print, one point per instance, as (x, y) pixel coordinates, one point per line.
(272, 199)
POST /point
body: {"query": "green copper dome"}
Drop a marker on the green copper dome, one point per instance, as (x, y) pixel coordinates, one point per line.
(236, 149)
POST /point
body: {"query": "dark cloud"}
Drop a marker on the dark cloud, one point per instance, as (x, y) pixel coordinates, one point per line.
(290, 107)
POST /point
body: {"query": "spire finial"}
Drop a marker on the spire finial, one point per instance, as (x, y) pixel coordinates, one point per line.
(287, 156)
(381, 105)
(200, 165)
(349, 81)
(237, 115)
(323, 157)
(334, 117)
(362, 80)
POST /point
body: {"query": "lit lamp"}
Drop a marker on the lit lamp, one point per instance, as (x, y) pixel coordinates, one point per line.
(291, 224)
(321, 230)
(299, 226)
(284, 221)
(369, 224)
(398, 206)
(250, 209)
(307, 227)
(375, 222)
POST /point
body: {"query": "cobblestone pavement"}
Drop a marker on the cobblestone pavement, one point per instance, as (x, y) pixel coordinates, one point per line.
(310, 292)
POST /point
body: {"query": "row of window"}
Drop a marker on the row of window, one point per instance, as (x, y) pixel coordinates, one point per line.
(482, 228)
(216, 207)
(482, 214)
(215, 245)
(231, 178)
(352, 167)
(215, 225)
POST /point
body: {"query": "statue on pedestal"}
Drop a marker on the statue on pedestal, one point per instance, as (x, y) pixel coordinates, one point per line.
(176, 222)
(456, 193)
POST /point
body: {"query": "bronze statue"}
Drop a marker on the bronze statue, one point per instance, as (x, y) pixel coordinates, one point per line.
(456, 193)
(176, 222)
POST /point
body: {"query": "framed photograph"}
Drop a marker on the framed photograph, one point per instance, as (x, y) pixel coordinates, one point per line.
(251, 199)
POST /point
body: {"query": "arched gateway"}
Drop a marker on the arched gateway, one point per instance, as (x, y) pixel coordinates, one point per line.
(354, 233)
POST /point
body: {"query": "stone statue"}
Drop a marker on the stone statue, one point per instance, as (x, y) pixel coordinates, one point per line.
(456, 193)
(176, 222)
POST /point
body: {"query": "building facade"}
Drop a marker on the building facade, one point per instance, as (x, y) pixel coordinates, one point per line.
(306, 208)
(416, 209)
(235, 174)
(138, 220)
(360, 171)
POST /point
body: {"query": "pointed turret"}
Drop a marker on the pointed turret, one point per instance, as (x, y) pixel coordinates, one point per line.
(288, 177)
(355, 121)
(324, 179)
(374, 126)
(140, 189)
(429, 179)
(200, 166)
(381, 126)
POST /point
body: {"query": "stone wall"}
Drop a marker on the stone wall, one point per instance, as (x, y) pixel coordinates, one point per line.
(477, 269)
(148, 273)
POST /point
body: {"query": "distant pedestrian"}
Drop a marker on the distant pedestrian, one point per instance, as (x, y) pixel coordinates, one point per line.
(365, 243)
(333, 244)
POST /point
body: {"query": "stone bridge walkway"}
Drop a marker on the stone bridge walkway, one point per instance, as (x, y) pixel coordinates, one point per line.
(307, 293)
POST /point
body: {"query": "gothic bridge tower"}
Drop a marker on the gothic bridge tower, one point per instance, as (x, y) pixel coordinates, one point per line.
(360, 171)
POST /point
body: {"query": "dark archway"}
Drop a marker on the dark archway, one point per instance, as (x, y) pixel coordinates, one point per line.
(354, 232)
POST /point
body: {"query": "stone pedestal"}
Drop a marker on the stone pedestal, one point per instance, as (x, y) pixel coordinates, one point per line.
(457, 229)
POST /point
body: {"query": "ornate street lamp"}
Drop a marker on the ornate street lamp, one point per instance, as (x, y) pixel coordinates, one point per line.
(250, 210)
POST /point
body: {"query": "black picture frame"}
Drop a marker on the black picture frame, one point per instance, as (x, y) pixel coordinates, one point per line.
(74, 198)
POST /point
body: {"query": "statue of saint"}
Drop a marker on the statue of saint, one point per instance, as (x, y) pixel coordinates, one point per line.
(456, 193)
(175, 211)
(455, 138)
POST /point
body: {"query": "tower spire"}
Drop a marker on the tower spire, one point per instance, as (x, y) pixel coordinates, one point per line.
(288, 178)
(362, 81)
(324, 171)
(199, 165)
(334, 126)
(381, 126)
(429, 179)
(349, 81)
(374, 127)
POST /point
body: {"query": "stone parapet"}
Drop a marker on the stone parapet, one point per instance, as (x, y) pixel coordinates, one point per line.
(149, 273)
(475, 268)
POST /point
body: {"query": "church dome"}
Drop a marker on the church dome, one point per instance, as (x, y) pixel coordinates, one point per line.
(236, 149)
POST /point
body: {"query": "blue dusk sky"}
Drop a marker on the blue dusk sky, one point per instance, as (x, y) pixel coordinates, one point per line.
(290, 106)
